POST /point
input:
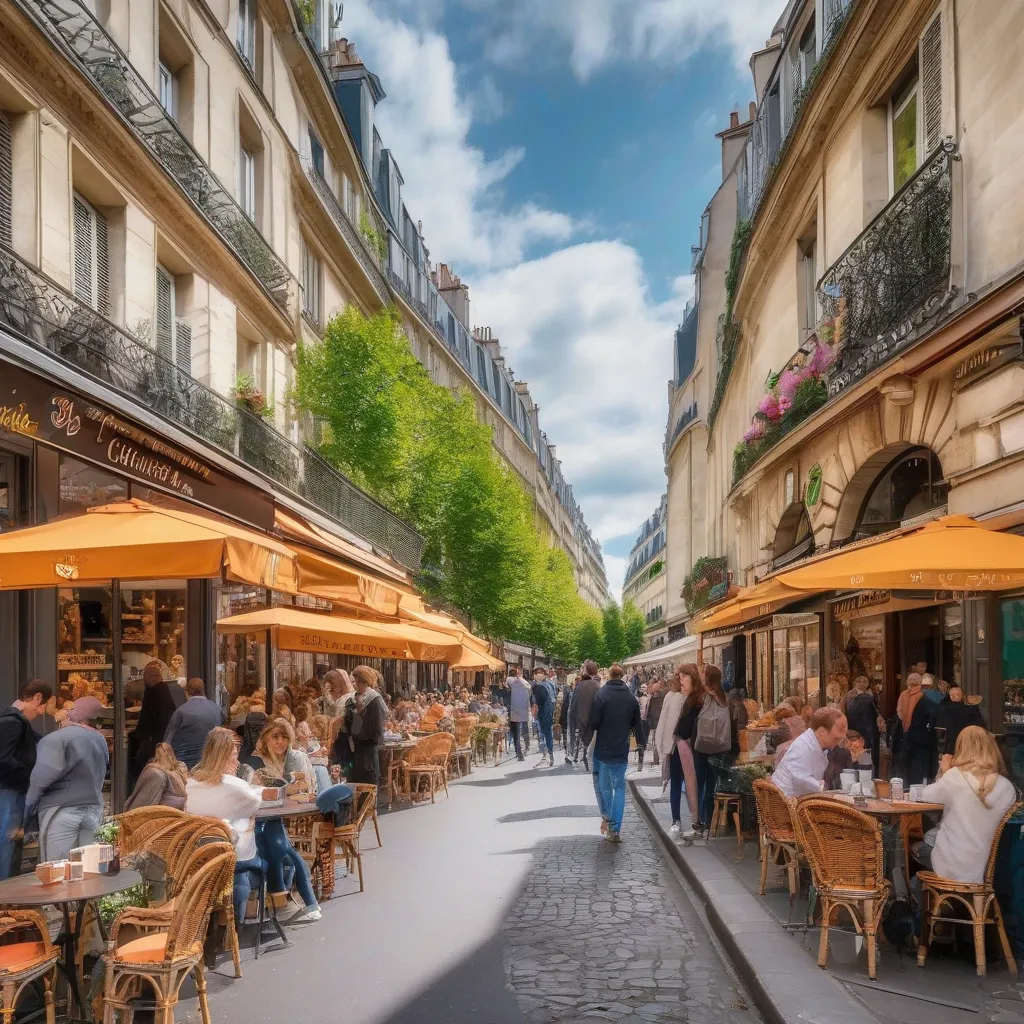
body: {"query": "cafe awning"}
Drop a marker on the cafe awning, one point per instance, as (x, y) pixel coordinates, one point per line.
(136, 540)
(299, 629)
(951, 553)
(763, 598)
(677, 651)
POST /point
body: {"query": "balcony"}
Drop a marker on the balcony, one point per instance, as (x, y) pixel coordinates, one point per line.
(895, 282)
(77, 34)
(42, 314)
(367, 260)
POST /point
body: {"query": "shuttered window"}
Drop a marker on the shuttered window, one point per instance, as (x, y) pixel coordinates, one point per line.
(930, 61)
(92, 257)
(173, 335)
(311, 275)
(247, 182)
(6, 181)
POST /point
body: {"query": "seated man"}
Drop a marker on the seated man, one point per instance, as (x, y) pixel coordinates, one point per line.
(802, 770)
(851, 754)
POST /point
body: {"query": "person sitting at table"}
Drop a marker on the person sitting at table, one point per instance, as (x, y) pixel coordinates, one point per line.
(305, 740)
(953, 715)
(975, 794)
(783, 736)
(162, 782)
(215, 791)
(802, 770)
(320, 727)
(850, 754)
(278, 758)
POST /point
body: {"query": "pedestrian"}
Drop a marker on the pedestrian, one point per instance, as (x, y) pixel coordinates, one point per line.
(863, 717)
(707, 775)
(368, 718)
(671, 709)
(18, 742)
(338, 686)
(579, 714)
(562, 704)
(160, 699)
(542, 701)
(66, 787)
(655, 703)
(642, 739)
(682, 770)
(519, 711)
(614, 715)
(192, 723)
(343, 695)
(162, 782)
(916, 715)
(953, 716)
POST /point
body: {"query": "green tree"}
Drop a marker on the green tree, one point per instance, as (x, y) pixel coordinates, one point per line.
(614, 635)
(633, 628)
(591, 641)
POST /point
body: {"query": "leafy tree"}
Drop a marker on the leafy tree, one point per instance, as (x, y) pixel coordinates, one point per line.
(614, 635)
(633, 627)
(591, 641)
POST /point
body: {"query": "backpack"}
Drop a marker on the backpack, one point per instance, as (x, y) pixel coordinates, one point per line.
(714, 729)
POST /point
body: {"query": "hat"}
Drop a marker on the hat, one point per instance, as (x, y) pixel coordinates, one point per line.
(85, 709)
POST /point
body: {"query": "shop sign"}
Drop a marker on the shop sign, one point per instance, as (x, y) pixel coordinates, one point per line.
(851, 605)
(31, 407)
(972, 369)
(794, 619)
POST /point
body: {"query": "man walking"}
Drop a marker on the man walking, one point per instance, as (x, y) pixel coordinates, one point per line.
(579, 714)
(192, 723)
(614, 715)
(543, 700)
(17, 759)
(519, 710)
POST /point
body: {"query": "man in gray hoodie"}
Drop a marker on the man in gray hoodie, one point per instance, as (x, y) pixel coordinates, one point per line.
(580, 733)
(66, 786)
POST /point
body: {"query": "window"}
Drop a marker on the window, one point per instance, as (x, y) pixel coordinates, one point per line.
(246, 38)
(774, 115)
(167, 89)
(904, 134)
(909, 487)
(6, 181)
(496, 373)
(247, 181)
(173, 335)
(311, 285)
(316, 153)
(808, 257)
(92, 256)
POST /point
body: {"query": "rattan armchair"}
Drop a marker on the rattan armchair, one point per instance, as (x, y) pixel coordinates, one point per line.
(25, 961)
(464, 729)
(844, 848)
(346, 837)
(777, 834)
(170, 948)
(978, 899)
(137, 828)
(429, 760)
(313, 840)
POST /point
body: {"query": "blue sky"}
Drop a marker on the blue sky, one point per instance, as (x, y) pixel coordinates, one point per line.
(559, 154)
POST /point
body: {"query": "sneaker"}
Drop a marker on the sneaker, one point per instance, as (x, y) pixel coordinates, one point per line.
(604, 826)
(676, 828)
(520, 757)
(551, 762)
(689, 835)
(307, 916)
(613, 836)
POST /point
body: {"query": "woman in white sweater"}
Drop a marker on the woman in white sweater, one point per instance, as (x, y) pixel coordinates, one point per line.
(664, 735)
(214, 791)
(975, 795)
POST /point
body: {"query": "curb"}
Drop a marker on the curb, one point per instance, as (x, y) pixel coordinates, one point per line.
(765, 956)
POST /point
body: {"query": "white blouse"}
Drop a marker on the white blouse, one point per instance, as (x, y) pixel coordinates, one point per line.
(232, 800)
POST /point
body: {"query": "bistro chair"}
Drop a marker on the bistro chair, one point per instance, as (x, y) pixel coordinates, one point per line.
(977, 898)
(346, 837)
(26, 960)
(313, 840)
(139, 827)
(777, 835)
(170, 948)
(182, 843)
(727, 805)
(429, 760)
(844, 848)
(464, 729)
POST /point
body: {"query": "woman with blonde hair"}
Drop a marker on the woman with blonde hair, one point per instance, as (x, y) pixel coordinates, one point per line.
(277, 758)
(162, 782)
(975, 795)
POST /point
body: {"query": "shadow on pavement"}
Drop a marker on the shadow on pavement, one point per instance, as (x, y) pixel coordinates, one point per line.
(568, 811)
(526, 773)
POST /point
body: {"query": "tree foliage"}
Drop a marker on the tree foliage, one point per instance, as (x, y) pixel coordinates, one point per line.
(633, 627)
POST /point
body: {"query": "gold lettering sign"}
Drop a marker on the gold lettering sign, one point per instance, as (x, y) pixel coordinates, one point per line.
(16, 420)
(841, 609)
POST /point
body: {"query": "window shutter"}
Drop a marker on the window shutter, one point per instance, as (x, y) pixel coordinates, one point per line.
(83, 252)
(164, 314)
(930, 61)
(102, 265)
(183, 346)
(6, 181)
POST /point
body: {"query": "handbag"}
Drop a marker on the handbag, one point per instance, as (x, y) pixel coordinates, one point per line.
(713, 734)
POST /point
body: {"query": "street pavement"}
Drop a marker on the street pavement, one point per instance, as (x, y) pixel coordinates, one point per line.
(500, 904)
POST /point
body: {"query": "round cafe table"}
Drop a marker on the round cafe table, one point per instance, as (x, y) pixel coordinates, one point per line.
(28, 891)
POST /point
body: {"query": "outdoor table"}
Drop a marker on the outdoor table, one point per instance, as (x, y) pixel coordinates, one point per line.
(289, 808)
(28, 891)
(391, 749)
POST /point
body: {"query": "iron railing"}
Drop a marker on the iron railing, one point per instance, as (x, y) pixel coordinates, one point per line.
(74, 31)
(41, 313)
(895, 279)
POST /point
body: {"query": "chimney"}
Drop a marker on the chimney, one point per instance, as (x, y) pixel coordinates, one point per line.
(343, 55)
(753, 110)
(734, 119)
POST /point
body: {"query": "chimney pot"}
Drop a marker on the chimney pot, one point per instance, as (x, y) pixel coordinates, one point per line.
(734, 119)
(753, 110)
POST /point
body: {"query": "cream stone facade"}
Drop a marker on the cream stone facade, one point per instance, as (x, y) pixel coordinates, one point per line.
(205, 174)
(645, 583)
(882, 259)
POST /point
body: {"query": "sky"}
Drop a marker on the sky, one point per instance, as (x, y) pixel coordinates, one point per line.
(559, 154)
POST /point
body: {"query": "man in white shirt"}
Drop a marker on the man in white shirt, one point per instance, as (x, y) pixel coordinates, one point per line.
(802, 770)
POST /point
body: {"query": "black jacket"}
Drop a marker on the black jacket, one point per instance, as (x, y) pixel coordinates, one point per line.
(954, 717)
(614, 714)
(862, 716)
(17, 750)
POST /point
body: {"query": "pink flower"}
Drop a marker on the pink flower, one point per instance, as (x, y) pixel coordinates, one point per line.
(789, 382)
(769, 407)
(785, 404)
(821, 359)
(755, 432)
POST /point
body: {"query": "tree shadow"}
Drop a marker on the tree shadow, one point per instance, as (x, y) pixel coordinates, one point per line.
(566, 811)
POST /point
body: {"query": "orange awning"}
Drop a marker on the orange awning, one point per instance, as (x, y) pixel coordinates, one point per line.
(951, 553)
(750, 603)
(136, 540)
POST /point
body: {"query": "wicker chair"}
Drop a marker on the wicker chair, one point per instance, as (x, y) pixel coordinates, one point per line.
(429, 760)
(978, 899)
(844, 848)
(139, 827)
(778, 835)
(312, 838)
(464, 728)
(170, 949)
(26, 961)
(346, 837)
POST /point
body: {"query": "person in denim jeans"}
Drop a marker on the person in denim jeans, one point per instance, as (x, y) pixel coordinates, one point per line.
(17, 759)
(543, 701)
(615, 715)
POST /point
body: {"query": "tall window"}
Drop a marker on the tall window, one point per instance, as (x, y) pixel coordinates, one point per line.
(246, 38)
(904, 133)
(247, 181)
(6, 181)
(173, 335)
(92, 256)
(909, 487)
(167, 89)
(316, 153)
(312, 274)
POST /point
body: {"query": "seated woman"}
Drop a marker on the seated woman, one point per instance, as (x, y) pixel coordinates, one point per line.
(214, 791)
(162, 782)
(975, 795)
(305, 740)
(278, 757)
(851, 753)
(783, 736)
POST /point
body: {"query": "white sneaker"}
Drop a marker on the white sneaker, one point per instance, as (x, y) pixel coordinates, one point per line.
(676, 828)
(307, 916)
(689, 835)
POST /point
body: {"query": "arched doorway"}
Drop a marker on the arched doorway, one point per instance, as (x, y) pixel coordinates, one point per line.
(793, 536)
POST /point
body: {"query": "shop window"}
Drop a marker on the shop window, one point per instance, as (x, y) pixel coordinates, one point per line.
(795, 664)
(1012, 613)
(911, 486)
(152, 629)
(241, 659)
(83, 485)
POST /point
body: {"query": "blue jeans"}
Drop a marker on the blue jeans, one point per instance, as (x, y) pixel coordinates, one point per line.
(247, 875)
(63, 829)
(12, 810)
(612, 779)
(675, 792)
(546, 725)
(595, 771)
(274, 848)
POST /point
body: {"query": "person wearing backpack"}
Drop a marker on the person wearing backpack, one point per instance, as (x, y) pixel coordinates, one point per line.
(712, 735)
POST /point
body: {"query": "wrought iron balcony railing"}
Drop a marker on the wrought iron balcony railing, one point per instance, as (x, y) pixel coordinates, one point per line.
(896, 278)
(41, 313)
(75, 32)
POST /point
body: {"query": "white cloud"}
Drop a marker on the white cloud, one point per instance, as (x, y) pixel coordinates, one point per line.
(449, 184)
(599, 33)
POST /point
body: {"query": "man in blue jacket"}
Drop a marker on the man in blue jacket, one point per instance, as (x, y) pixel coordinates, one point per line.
(543, 701)
(614, 714)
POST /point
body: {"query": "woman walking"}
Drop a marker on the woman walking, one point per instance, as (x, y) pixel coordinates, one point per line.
(707, 776)
(681, 765)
